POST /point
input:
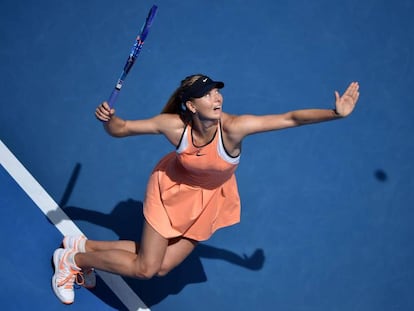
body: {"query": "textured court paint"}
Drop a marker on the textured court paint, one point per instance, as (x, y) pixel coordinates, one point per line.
(62, 222)
(329, 204)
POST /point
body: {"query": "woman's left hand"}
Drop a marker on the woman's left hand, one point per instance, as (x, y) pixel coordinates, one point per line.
(345, 104)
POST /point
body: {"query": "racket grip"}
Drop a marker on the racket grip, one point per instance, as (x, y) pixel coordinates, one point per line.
(113, 97)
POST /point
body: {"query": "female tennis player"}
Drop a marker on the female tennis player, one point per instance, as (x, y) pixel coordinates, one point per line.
(192, 191)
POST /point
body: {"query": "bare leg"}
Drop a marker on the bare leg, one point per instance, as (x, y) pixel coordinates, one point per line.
(176, 252)
(156, 255)
(129, 246)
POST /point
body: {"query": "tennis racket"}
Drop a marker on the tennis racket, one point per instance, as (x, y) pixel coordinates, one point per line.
(133, 55)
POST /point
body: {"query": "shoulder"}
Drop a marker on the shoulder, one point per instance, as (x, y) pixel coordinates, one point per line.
(171, 119)
(169, 123)
(227, 121)
(244, 125)
(159, 124)
(236, 125)
(230, 127)
(171, 126)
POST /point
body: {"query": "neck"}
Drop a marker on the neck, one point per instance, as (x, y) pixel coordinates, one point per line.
(204, 126)
(203, 131)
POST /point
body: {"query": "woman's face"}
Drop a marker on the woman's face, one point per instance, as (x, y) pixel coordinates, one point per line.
(209, 106)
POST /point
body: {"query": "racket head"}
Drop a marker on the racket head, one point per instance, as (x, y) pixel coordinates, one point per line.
(148, 22)
(133, 54)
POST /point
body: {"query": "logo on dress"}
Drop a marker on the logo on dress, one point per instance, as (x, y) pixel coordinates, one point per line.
(199, 154)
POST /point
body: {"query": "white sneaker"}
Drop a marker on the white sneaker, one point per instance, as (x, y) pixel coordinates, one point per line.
(88, 278)
(64, 277)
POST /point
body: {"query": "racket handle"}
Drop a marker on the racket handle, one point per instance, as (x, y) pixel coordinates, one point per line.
(113, 97)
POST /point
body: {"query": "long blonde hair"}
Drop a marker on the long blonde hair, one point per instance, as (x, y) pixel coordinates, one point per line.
(175, 104)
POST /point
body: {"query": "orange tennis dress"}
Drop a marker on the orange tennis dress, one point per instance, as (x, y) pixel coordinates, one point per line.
(192, 191)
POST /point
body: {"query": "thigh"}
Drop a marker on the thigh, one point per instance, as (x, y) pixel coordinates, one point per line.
(162, 254)
(153, 246)
(177, 250)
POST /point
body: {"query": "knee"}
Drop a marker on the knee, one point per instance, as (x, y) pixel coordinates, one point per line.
(149, 272)
(163, 271)
(146, 271)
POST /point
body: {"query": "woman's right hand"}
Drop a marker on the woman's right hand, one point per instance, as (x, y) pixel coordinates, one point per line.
(104, 113)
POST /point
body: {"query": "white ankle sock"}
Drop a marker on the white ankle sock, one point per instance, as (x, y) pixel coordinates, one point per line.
(71, 259)
(81, 246)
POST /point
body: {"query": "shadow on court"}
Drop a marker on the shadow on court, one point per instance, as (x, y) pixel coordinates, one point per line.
(155, 290)
(381, 175)
(126, 221)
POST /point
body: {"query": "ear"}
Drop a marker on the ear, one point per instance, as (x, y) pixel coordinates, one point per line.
(190, 106)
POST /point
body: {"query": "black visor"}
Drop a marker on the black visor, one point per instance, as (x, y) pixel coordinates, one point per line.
(200, 87)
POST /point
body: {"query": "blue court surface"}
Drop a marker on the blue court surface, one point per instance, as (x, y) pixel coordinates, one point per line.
(327, 209)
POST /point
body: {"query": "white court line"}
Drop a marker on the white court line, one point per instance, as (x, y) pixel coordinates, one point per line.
(63, 223)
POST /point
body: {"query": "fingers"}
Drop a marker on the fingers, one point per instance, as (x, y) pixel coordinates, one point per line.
(103, 112)
(337, 97)
(353, 90)
(356, 97)
(345, 104)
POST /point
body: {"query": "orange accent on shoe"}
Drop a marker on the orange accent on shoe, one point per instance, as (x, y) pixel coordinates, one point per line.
(68, 282)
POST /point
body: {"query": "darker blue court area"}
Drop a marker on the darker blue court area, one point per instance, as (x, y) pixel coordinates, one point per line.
(327, 209)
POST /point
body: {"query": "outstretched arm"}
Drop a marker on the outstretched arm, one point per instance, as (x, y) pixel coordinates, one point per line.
(235, 128)
(170, 125)
(241, 126)
(344, 105)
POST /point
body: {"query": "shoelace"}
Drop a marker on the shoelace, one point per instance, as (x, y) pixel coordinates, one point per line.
(69, 281)
(80, 279)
